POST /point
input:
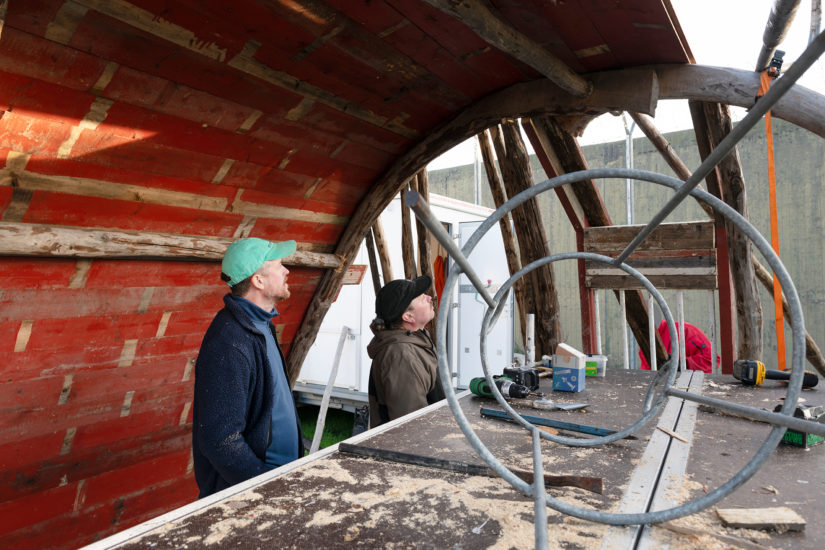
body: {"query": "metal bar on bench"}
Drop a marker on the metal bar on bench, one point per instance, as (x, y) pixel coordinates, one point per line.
(777, 419)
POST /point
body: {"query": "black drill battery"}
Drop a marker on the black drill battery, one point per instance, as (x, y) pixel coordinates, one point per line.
(525, 376)
(815, 413)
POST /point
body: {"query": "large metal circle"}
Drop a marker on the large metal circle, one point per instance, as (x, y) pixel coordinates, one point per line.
(751, 466)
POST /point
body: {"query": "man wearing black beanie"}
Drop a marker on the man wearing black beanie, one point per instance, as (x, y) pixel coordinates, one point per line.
(404, 373)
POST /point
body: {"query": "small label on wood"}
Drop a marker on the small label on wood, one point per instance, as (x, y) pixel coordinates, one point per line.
(777, 519)
(354, 274)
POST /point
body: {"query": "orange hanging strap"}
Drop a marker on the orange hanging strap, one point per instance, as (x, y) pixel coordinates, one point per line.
(767, 77)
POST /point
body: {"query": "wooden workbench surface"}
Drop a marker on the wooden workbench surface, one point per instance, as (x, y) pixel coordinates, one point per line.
(341, 500)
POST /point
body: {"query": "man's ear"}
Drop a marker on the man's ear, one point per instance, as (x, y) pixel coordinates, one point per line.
(257, 281)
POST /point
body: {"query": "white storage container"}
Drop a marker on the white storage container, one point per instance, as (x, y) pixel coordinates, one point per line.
(595, 365)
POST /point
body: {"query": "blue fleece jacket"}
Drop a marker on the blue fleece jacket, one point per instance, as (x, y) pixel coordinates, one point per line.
(232, 407)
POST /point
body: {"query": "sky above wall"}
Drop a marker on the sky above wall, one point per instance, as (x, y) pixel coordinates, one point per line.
(724, 33)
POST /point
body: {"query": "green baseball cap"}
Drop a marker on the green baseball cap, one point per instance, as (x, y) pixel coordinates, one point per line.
(246, 256)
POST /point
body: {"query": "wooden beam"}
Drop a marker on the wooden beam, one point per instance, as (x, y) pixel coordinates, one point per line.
(407, 252)
(799, 105)
(510, 250)
(541, 297)
(383, 251)
(87, 187)
(4, 4)
(26, 239)
(667, 236)
(425, 256)
(493, 30)
(376, 277)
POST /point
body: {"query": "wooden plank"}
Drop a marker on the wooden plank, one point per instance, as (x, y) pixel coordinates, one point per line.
(244, 61)
(684, 270)
(672, 476)
(674, 280)
(780, 518)
(31, 181)
(692, 259)
(642, 488)
(48, 240)
(667, 236)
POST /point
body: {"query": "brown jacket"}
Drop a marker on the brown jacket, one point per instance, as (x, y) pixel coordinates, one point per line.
(404, 374)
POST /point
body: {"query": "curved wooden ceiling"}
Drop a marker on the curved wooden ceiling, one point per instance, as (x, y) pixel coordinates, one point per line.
(270, 118)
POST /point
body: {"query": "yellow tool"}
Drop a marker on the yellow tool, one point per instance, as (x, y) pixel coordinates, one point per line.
(753, 373)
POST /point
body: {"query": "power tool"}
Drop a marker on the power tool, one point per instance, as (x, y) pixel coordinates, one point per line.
(753, 373)
(526, 376)
(506, 386)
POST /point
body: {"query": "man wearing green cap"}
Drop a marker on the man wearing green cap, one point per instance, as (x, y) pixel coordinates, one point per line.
(245, 419)
(404, 373)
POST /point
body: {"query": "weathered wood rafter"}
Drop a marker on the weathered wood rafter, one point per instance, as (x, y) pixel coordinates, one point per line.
(407, 252)
(373, 260)
(39, 240)
(540, 295)
(383, 251)
(425, 255)
(727, 339)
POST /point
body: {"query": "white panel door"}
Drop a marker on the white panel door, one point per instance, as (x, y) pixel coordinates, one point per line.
(490, 264)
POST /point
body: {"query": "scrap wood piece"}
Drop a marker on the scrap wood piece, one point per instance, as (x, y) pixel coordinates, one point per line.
(592, 484)
(673, 434)
(738, 542)
(779, 519)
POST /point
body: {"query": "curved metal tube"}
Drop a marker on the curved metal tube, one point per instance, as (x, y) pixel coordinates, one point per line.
(794, 385)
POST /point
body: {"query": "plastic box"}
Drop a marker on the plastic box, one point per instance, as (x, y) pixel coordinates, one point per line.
(595, 365)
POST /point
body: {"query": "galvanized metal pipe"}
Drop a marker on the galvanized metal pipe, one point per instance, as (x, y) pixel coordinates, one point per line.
(779, 21)
(798, 424)
(539, 494)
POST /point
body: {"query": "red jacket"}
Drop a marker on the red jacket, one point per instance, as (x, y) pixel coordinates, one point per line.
(699, 354)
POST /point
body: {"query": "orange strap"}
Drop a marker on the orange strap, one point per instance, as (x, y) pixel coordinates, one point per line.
(777, 289)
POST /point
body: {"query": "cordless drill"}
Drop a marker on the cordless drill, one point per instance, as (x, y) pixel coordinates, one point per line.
(506, 386)
(753, 373)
